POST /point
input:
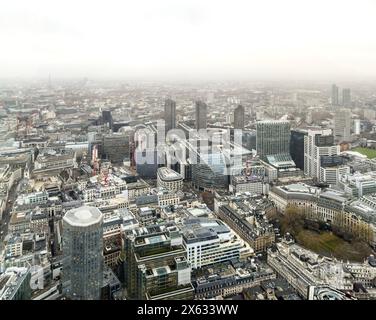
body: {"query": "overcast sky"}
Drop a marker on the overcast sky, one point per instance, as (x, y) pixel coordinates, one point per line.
(188, 38)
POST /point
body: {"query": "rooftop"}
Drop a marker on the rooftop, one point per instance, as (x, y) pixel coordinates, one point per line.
(168, 174)
(83, 216)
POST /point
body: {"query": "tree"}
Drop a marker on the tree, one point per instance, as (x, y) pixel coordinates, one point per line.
(293, 220)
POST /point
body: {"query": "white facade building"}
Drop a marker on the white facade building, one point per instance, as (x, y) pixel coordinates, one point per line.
(210, 241)
(169, 179)
(314, 149)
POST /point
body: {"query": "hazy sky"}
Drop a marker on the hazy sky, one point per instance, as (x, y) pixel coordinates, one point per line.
(188, 38)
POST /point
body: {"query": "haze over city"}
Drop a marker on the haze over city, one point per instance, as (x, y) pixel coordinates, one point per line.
(157, 40)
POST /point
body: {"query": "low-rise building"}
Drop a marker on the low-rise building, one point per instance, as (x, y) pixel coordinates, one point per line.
(358, 184)
(247, 217)
(228, 280)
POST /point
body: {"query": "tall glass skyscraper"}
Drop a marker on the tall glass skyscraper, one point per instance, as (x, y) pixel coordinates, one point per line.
(342, 125)
(83, 253)
(346, 97)
(170, 115)
(272, 138)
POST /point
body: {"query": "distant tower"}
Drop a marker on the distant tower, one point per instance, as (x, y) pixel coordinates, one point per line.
(357, 126)
(170, 115)
(82, 249)
(346, 97)
(107, 118)
(239, 117)
(201, 115)
(342, 125)
(335, 95)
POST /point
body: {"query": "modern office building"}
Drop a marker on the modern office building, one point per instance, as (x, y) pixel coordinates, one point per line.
(357, 126)
(330, 174)
(169, 179)
(346, 97)
(297, 147)
(156, 267)
(107, 118)
(272, 138)
(239, 114)
(210, 172)
(318, 144)
(334, 100)
(201, 115)
(210, 241)
(342, 125)
(83, 253)
(242, 183)
(170, 115)
(358, 184)
(116, 147)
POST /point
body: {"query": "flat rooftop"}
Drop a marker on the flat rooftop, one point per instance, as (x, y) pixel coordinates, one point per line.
(169, 174)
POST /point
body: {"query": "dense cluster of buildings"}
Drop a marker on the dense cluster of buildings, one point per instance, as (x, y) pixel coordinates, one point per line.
(98, 201)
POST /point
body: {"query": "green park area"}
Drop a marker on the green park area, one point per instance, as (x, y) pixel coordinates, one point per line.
(323, 242)
(328, 244)
(370, 153)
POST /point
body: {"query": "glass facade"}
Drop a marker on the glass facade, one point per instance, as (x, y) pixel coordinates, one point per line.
(210, 172)
(83, 259)
(152, 271)
(272, 137)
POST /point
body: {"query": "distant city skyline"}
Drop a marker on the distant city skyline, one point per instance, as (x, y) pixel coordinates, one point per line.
(189, 40)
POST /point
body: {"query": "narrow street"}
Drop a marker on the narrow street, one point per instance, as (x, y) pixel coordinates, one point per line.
(14, 191)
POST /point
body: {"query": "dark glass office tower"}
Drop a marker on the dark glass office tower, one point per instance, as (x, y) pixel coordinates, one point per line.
(297, 147)
(107, 118)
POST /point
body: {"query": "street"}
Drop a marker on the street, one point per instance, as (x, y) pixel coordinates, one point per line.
(14, 191)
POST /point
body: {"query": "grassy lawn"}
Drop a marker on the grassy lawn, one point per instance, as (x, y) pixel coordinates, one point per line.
(328, 244)
(325, 243)
(370, 153)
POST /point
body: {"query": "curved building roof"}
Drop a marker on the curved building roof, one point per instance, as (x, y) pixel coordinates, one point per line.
(83, 216)
(167, 174)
